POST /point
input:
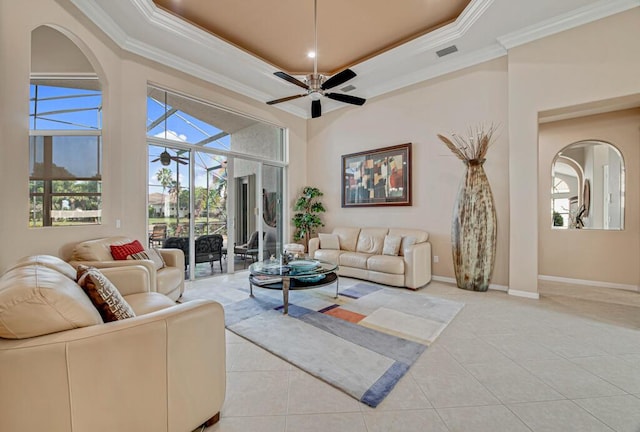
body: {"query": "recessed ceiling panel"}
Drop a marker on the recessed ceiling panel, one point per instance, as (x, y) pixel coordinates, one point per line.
(281, 32)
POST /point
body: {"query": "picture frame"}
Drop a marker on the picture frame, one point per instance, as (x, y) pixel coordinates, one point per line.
(380, 177)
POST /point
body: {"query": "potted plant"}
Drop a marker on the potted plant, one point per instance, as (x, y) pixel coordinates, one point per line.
(307, 219)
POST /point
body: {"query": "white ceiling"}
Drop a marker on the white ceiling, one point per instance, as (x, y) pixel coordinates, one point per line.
(485, 30)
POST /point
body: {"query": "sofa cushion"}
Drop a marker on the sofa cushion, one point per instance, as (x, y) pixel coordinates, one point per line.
(329, 241)
(49, 261)
(354, 259)
(371, 240)
(104, 295)
(420, 235)
(328, 255)
(121, 252)
(386, 264)
(391, 245)
(144, 303)
(348, 238)
(37, 300)
(98, 249)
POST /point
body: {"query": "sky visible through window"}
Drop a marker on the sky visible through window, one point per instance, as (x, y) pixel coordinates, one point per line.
(183, 127)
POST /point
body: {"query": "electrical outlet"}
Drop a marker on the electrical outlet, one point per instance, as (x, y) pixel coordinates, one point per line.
(436, 258)
(117, 223)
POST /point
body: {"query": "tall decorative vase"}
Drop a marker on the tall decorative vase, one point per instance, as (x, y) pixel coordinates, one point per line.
(474, 230)
(474, 227)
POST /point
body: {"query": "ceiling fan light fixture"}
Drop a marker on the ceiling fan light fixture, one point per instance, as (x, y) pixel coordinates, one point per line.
(311, 54)
(315, 95)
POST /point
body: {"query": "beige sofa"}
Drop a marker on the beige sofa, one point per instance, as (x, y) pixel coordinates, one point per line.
(168, 280)
(62, 369)
(359, 254)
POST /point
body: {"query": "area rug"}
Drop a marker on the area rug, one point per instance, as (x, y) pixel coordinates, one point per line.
(363, 342)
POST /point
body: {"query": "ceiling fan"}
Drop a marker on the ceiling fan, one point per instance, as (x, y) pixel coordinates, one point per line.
(166, 158)
(315, 84)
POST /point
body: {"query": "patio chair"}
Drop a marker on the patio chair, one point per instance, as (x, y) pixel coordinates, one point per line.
(209, 249)
(250, 248)
(158, 235)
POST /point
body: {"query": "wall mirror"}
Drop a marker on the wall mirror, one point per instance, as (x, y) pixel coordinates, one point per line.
(587, 187)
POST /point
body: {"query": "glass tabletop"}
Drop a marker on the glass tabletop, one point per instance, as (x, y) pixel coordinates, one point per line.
(295, 268)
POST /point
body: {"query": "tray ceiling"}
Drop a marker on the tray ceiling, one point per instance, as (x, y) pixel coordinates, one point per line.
(387, 45)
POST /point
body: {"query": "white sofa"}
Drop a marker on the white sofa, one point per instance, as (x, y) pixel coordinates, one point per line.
(359, 254)
(63, 369)
(168, 280)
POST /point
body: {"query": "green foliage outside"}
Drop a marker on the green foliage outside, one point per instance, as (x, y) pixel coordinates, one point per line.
(209, 205)
(557, 219)
(307, 219)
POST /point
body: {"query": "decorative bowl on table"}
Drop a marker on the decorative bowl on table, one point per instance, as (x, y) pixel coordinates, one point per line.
(303, 266)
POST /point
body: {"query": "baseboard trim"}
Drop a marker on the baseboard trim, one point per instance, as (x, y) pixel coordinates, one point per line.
(525, 294)
(453, 281)
(600, 284)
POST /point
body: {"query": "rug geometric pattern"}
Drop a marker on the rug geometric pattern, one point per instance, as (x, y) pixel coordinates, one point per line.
(363, 342)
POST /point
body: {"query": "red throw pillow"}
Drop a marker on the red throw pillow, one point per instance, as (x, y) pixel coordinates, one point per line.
(121, 252)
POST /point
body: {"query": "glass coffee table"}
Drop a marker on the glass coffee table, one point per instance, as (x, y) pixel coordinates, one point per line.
(295, 275)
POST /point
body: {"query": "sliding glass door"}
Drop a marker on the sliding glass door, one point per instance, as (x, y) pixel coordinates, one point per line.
(216, 183)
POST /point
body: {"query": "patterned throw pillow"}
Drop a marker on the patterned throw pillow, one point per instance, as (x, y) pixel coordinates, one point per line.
(149, 254)
(121, 252)
(391, 245)
(104, 295)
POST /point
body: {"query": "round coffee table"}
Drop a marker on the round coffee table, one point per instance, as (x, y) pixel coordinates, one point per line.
(295, 275)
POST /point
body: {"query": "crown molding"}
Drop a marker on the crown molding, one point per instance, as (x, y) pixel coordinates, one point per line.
(96, 14)
(208, 45)
(440, 37)
(557, 24)
(201, 46)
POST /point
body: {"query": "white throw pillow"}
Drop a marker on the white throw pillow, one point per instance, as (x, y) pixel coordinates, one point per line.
(391, 245)
(329, 241)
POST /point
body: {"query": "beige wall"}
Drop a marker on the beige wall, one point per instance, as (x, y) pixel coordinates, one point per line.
(590, 63)
(477, 95)
(124, 78)
(596, 255)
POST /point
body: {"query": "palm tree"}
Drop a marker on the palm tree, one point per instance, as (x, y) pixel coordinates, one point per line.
(165, 178)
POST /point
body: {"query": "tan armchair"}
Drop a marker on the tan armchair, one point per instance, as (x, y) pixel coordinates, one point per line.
(162, 370)
(168, 280)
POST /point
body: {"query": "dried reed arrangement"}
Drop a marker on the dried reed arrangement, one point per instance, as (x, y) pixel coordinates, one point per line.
(474, 147)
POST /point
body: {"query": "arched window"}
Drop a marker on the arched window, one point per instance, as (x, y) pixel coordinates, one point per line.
(65, 136)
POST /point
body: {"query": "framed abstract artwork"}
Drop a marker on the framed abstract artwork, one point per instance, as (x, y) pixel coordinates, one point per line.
(380, 177)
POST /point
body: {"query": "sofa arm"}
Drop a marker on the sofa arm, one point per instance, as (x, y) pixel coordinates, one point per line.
(128, 279)
(164, 371)
(314, 245)
(417, 263)
(172, 257)
(148, 264)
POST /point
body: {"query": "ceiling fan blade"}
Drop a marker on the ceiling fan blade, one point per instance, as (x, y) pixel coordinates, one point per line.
(180, 161)
(339, 78)
(291, 79)
(316, 109)
(155, 160)
(354, 100)
(284, 99)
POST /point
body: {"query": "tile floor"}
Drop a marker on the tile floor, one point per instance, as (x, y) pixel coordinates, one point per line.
(567, 362)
